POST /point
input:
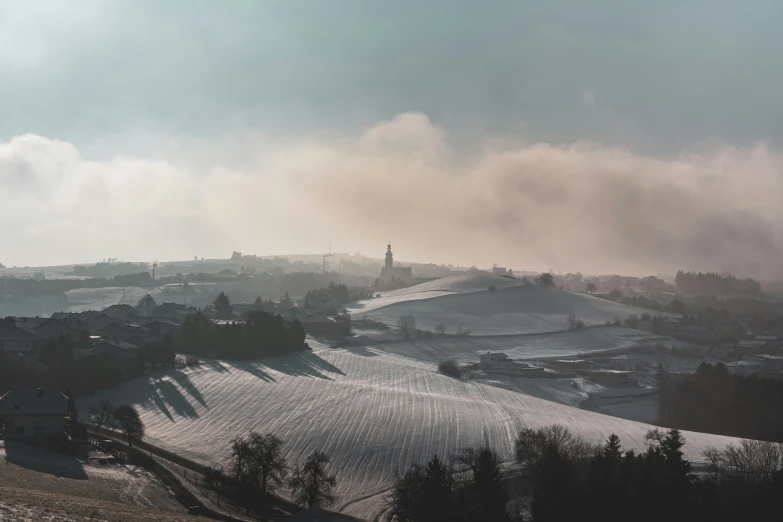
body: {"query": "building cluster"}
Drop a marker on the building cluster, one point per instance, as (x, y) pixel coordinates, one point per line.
(118, 331)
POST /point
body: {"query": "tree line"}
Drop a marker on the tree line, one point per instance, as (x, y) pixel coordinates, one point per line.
(714, 283)
(260, 469)
(261, 335)
(569, 479)
(714, 401)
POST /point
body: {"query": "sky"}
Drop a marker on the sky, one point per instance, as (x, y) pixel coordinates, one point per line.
(605, 136)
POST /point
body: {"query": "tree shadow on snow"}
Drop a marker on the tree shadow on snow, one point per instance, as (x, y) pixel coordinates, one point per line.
(216, 365)
(303, 365)
(174, 398)
(184, 381)
(253, 369)
(43, 461)
(360, 350)
(152, 395)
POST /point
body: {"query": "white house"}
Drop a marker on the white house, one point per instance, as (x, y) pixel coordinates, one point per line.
(31, 412)
(495, 361)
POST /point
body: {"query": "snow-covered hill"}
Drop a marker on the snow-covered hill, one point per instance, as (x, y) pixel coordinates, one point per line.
(373, 412)
(514, 309)
(530, 346)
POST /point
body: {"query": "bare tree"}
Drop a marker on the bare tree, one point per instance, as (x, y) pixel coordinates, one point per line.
(268, 462)
(311, 484)
(102, 414)
(131, 425)
(440, 329)
(407, 325)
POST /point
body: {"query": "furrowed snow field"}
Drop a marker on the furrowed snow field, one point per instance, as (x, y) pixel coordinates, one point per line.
(512, 310)
(533, 346)
(456, 284)
(373, 412)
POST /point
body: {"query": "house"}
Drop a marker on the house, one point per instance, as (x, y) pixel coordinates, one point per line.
(572, 364)
(316, 323)
(770, 362)
(31, 412)
(122, 352)
(744, 367)
(18, 341)
(123, 312)
(495, 361)
(614, 377)
(623, 362)
(173, 312)
(499, 270)
(500, 362)
(123, 331)
(160, 329)
(54, 328)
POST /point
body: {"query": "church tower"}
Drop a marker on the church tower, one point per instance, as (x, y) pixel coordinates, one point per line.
(389, 257)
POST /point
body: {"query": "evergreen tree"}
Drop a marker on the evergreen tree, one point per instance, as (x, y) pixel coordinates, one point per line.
(438, 491)
(223, 306)
(612, 447)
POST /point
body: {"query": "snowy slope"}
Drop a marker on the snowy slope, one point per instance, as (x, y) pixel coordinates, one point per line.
(455, 284)
(372, 412)
(511, 310)
(532, 346)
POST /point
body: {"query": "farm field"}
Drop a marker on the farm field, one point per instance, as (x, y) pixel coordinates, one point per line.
(511, 310)
(532, 346)
(373, 412)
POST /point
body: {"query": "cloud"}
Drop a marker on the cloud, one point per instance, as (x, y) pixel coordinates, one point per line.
(537, 206)
(588, 98)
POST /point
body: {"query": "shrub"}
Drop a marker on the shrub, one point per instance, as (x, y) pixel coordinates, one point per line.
(449, 367)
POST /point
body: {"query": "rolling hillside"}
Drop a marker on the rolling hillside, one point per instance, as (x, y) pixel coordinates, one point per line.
(514, 309)
(373, 412)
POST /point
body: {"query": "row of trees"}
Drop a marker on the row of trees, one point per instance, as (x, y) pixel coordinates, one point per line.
(125, 418)
(261, 335)
(571, 479)
(714, 401)
(714, 283)
(260, 469)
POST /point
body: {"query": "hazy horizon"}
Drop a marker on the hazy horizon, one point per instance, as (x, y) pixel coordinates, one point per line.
(609, 138)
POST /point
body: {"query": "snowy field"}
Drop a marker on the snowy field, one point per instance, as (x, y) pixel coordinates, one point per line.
(84, 299)
(372, 411)
(456, 284)
(512, 310)
(562, 344)
(46, 474)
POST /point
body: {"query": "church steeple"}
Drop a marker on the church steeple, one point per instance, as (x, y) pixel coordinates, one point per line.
(389, 256)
